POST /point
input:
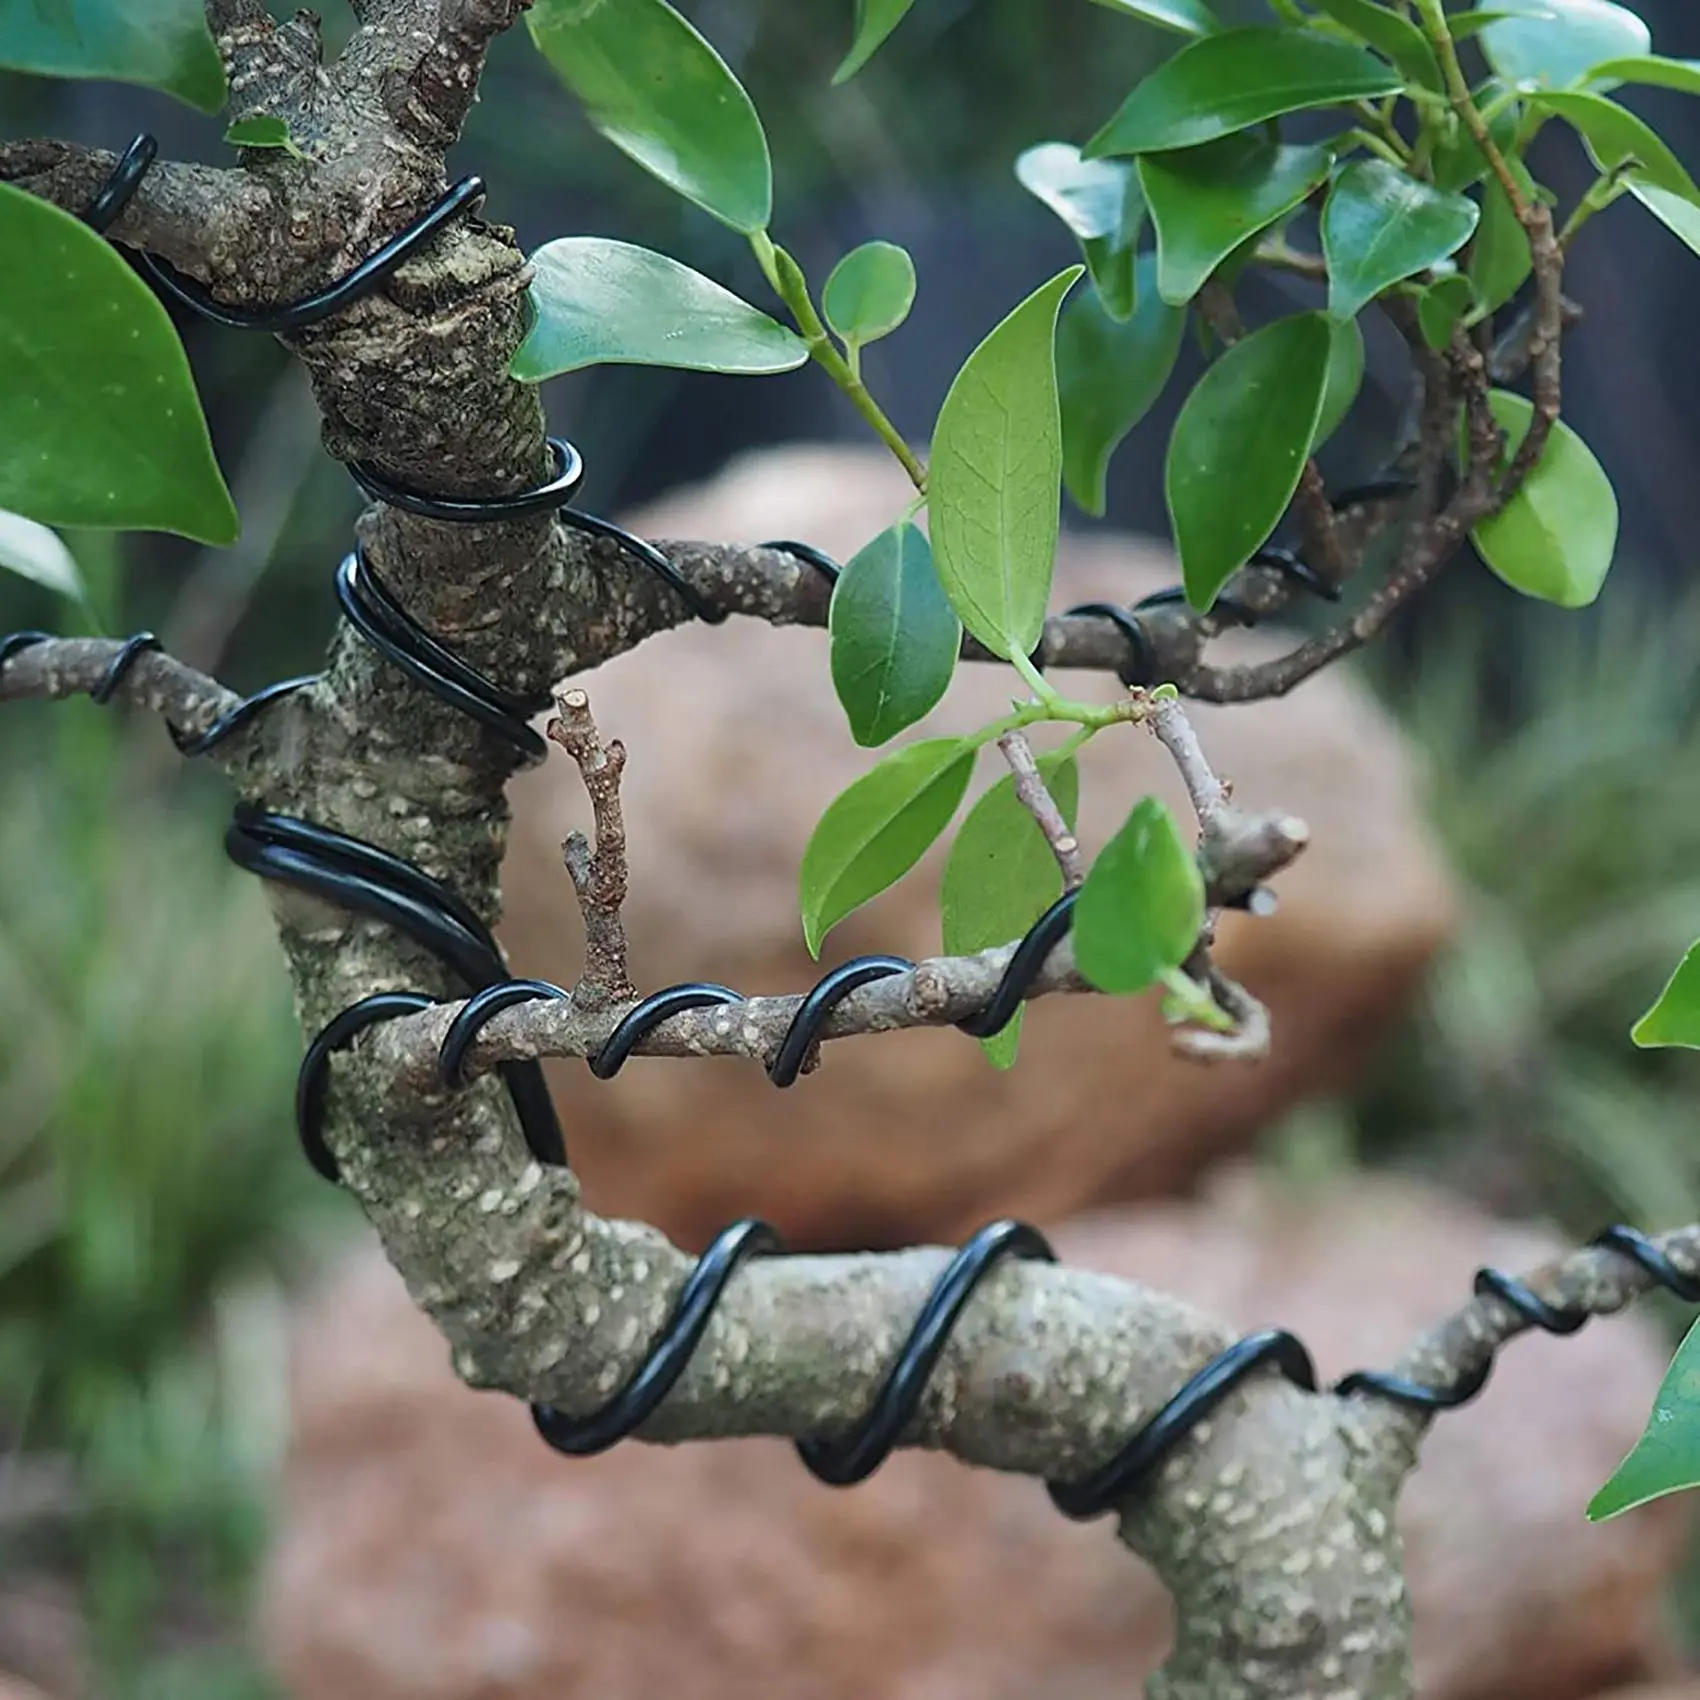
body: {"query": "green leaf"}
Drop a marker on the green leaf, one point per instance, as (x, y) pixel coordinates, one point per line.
(876, 830)
(35, 553)
(1108, 375)
(1345, 378)
(1101, 202)
(1184, 17)
(1652, 70)
(164, 44)
(1556, 537)
(1458, 162)
(264, 131)
(1392, 36)
(894, 636)
(1207, 201)
(601, 302)
(1001, 876)
(1142, 906)
(995, 485)
(1227, 82)
(99, 418)
(1675, 1018)
(1676, 212)
(1667, 1457)
(1239, 447)
(1381, 226)
(1499, 258)
(869, 293)
(875, 20)
(1555, 43)
(664, 97)
(1616, 137)
(1441, 306)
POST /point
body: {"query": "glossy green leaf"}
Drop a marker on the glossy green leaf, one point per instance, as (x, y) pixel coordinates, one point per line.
(263, 131)
(1101, 202)
(163, 44)
(1442, 306)
(1109, 373)
(869, 293)
(1142, 906)
(1558, 42)
(1615, 136)
(1666, 1459)
(601, 302)
(1392, 36)
(1464, 25)
(875, 20)
(894, 636)
(665, 98)
(1652, 70)
(1345, 378)
(1207, 201)
(1184, 17)
(1381, 226)
(1001, 877)
(33, 552)
(876, 830)
(995, 486)
(1227, 82)
(1676, 212)
(1556, 537)
(1499, 258)
(1239, 447)
(99, 418)
(1675, 1018)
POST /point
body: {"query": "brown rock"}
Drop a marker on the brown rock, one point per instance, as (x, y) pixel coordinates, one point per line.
(737, 744)
(15, 1688)
(433, 1549)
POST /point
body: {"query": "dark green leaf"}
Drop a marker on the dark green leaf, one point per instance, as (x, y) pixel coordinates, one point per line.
(1101, 202)
(1392, 36)
(598, 301)
(1108, 375)
(1667, 1456)
(875, 20)
(1556, 537)
(1652, 70)
(1206, 201)
(876, 830)
(1001, 876)
(870, 292)
(35, 553)
(996, 477)
(1560, 48)
(1441, 306)
(1139, 913)
(98, 411)
(1345, 378)
(1184, 17)
(1239, 446)
(1227, 82)
(894, 636)
(1499, 257)
(263, 131)
(1381, 226)
(164, 44)
(1675, 1018)
(1616, 137)
(664, 97)
(1676, 212)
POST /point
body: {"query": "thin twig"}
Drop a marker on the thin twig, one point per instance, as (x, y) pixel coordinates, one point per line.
(1168, 720)
(1036, 798)
(599, 876)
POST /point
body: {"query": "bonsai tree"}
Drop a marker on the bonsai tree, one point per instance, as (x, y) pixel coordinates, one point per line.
(372, 795)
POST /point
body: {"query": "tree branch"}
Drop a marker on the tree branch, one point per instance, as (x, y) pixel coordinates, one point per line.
(432, 102)
(1036, 798)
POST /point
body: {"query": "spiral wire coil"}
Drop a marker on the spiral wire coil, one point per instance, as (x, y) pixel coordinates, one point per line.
(370, 881)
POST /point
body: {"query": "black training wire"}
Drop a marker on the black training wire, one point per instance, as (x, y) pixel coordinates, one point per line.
(372, 882)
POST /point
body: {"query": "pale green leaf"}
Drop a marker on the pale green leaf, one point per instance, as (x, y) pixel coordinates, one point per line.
(869, 292)
(1555, 43)
(161, 44)
(264, 131)
(1675, 1018)
(1617, 139)
(1345, 378)
(1142, 906)
(1676, 212)
(1666, 1459)
(875, 20)
(1650, 69)
(35, 553)
(1184, 17)
(1102, 203)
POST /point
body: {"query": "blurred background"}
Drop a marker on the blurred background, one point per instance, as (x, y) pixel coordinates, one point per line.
(154, 1211)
